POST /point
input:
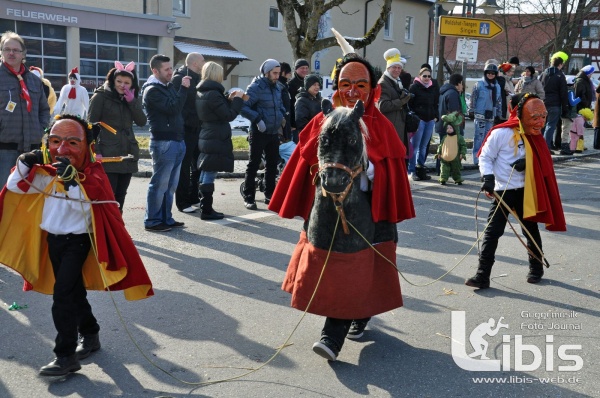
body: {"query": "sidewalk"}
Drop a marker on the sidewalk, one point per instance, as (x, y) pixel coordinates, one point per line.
(239, 168)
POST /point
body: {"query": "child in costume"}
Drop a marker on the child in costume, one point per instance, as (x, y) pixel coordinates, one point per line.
(452, 149)
(578, 128)
(48, 90)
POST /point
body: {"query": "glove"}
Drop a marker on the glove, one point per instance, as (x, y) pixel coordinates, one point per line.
(472, 115)
(128, 95)
(261, 126)
(31, 158)
(489, 181)
(519, 164)
(64, 172)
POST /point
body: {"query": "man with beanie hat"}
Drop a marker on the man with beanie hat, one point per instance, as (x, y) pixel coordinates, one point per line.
(266, 111)
(394, 96)
(556, 97)
(301, 69)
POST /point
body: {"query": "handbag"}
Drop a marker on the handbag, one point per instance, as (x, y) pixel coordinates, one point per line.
(580, 146)
(411, 123)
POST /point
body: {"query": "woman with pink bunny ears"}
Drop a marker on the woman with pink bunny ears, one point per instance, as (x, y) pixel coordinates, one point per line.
(116, 103)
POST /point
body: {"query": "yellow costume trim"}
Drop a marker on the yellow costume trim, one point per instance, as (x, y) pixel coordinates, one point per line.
(530, 208)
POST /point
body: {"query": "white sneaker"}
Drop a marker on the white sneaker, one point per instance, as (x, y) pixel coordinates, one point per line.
(196, 205)
(190, 209)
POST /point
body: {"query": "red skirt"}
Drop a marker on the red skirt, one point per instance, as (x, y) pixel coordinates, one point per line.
(354, 285)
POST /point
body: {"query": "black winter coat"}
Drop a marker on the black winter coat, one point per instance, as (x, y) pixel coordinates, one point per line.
(215, 112)
(294, 86)
(555, 88)
(190, 117)
(307, 107)
(449, 102)
(583, 89)
(425, 101)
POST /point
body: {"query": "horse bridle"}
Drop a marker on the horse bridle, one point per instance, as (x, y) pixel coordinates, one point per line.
(338, 198)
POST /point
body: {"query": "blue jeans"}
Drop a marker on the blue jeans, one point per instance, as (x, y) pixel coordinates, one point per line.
(8, 160)
(419, 143)
(166, 165)
(482, 127)
(207, 177)
(551, 122)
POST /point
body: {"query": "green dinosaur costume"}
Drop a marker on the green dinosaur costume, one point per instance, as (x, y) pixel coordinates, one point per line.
(452, 149)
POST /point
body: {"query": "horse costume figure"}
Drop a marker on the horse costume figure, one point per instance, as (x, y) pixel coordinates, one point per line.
(342, 157)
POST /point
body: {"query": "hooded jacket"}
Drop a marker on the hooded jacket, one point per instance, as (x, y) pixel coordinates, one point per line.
(555, 88)
(107, 106)
(449, 102)
(73, 106)
(307, 107)
(584, 89)
(162, 105)
(264, 104)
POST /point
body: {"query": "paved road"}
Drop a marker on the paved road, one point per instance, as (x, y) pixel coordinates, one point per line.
(218, 310)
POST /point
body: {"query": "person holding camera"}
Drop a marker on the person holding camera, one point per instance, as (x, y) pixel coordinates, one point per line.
(394, 96)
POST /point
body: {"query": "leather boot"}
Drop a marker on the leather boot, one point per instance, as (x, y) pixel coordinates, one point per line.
(87, 344)
(481, 280)
(536, 270)
(422, 173)
(206, 201)
(565, 150)
(61, 366)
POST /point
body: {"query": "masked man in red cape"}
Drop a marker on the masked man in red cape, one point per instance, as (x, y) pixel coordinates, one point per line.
(356, 285)
(61, 229)
(515, 162)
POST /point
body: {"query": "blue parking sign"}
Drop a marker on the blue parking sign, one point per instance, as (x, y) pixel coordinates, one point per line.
(317, 65)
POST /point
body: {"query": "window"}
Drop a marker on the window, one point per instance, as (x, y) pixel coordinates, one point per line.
(274, 19)
(388, 32)
(100, 48)
(409, 29)
(593, 32)
(46, 47)
(180, 7)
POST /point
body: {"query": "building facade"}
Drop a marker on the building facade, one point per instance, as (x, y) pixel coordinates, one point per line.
(239, 35)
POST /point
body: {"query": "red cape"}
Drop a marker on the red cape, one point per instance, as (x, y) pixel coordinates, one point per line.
(23, 244)
(542, 197)
(391, 200)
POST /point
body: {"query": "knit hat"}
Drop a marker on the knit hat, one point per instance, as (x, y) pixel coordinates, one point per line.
(588, 69)
(301, 62)
(455, 119)
(560, 54)
(393, 57)
(311, 79)
(268, 66)
(531, 70)
(490, 68)
(514, 61)
(36, 71)
(506, 67)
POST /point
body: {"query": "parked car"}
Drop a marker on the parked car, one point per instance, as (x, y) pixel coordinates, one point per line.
(240, 123)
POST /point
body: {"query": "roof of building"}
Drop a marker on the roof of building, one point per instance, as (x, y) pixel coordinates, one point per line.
(208, 48)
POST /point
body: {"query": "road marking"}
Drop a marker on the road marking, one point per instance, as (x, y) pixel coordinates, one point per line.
(241, 219)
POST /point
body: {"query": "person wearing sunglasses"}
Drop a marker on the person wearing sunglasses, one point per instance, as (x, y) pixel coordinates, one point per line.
(424, 103)
(25, 110)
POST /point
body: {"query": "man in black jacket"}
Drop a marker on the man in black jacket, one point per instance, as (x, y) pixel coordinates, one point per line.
(557, 98)
(186, 195)
(162, 105)
(302, 68)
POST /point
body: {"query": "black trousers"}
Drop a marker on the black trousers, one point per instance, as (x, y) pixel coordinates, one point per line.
(119, 183)
(514, 199)
(337, 329)
(259, 143)
(186, 193)
(71, 310)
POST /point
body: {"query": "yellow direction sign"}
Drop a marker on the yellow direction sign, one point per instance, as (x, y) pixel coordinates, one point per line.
(469, 27)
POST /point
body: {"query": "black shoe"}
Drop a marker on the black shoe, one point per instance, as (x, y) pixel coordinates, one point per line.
(61, 366)
(176, 224)
(479, 281)
(535, 274)
(86, 345)
(162, 227)
(415, 177)
(250, 205)
(326, 348)
(213, 215)
(267, 200)
(357, 329)
(442, 182)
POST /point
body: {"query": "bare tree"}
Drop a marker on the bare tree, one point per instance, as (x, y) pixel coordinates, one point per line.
(301, 21)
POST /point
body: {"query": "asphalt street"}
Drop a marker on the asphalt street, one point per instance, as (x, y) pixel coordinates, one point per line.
(218, 310)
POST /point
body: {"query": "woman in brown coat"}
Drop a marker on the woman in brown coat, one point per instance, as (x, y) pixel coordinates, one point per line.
(116, 103)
